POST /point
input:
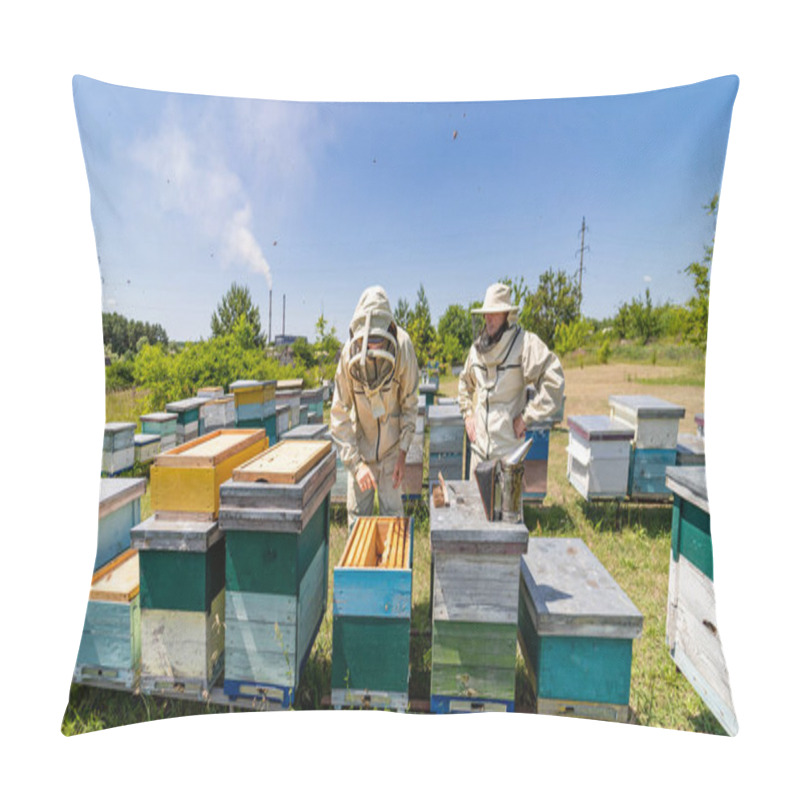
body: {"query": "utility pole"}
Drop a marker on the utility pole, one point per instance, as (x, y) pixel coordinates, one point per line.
(580, 269)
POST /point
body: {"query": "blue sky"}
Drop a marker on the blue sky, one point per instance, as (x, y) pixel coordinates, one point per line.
(319, 200)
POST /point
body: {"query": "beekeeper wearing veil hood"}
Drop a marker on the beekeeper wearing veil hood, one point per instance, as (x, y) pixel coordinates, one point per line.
(503, 363)
(374, 407)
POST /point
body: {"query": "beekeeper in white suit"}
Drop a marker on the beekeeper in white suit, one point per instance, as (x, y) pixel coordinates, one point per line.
(374, 407)
(492, 389)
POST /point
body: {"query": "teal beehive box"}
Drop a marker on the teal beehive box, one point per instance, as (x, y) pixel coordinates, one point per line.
(119, 511)
(576, 631)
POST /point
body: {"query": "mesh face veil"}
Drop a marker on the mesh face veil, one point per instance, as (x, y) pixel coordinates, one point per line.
(373, 350)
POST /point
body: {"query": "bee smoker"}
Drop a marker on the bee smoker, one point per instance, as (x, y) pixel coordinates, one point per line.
(500, 482)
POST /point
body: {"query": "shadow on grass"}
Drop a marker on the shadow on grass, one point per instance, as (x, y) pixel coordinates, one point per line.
(548, 520)
(706, 722)
(613, 515)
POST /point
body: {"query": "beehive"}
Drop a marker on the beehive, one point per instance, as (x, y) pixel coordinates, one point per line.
(691, 451)
(283, 420)
(312, 398)
(118, 447)
(146, 446)
(276, 576)
(118, 512)
(475, 598)
(211, 392)
(186, 479)
(188, 422)
(692, 635)
(290, 398)
(598, 456)
(255, 405)
(164, 424)
(427, 389)
(412, 478)
(182, 595)
(110, 648)
(446, 442)
(576, 631)
(372, 615)
(218, 412)
(534, 487)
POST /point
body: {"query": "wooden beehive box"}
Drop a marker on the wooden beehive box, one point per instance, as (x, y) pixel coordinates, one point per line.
(218, 412)
(534, 487)
(576, 631)
(654, 421)
(110, 648)
(446, 442)
(598, 456)
(164, 424)
(188, 423)
(276, 578)
(691, 451)
(211, 392)
(186, 479)
(308, 431)
(372, 615)
(427, 390)
(412, 478)
(313, 399)
(291, 398)
(118, 447)
(648, 473)
(475, 597)
(182, 597)
(146, 446)
(119, 511)
(283, 420)
(692, 634)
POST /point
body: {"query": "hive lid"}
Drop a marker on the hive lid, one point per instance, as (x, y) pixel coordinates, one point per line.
(310, 431)
(646, 406)
(689, 482)
(119, 427)
(116, 492)
(572, 593)
(600, 428)
(286, 462)
(444, 415)
(146, 438)
(159, 416)
(188, 404)
(190, 535)
(211, 449)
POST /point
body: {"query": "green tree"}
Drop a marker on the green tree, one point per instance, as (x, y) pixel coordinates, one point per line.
(697, 325)
(571, 336)
(121, 335)
(557, 300)
(235, 304)
(402, 313)
(454, 331)
(421, 330)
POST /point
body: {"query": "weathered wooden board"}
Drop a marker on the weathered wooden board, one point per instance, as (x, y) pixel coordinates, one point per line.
(116, 493)
(179, 534)
(689, 483)
(285, 462)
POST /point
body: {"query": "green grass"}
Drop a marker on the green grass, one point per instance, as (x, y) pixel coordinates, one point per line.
(631, 540)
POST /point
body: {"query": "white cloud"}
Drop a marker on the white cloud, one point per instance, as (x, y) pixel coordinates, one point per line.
(648, 279)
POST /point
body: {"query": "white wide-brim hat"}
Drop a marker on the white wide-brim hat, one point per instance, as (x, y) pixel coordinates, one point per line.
(497, 301)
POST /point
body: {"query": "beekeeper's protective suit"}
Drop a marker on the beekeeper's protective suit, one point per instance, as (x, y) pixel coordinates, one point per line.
(374, 407)
(503, 362)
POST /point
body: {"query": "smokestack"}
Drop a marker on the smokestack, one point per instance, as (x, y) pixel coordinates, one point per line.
(283, 329)
(269, 333)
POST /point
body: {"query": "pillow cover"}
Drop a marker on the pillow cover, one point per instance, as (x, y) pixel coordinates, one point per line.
(600, 213)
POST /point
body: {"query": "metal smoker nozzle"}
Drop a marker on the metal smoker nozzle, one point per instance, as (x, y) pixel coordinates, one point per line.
(519, 454)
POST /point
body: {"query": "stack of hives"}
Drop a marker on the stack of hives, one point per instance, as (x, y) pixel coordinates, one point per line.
(275, 512)
(255, 406)
(163, 424)
(312, 399)
(446, 444)
(655, 426)
(288, 393)
(576, 631)
(475, 599)
(118, 447)
(182, 563)
(372, 615)
(412, 479)
(598, 456)
(188, 423)
(427, 389)
(219, 410)
(109, 651)
(692, 636)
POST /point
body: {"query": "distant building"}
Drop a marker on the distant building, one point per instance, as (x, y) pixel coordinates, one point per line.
(281, 340)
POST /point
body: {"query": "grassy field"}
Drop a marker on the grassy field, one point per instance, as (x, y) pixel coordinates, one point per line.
(631, 540)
